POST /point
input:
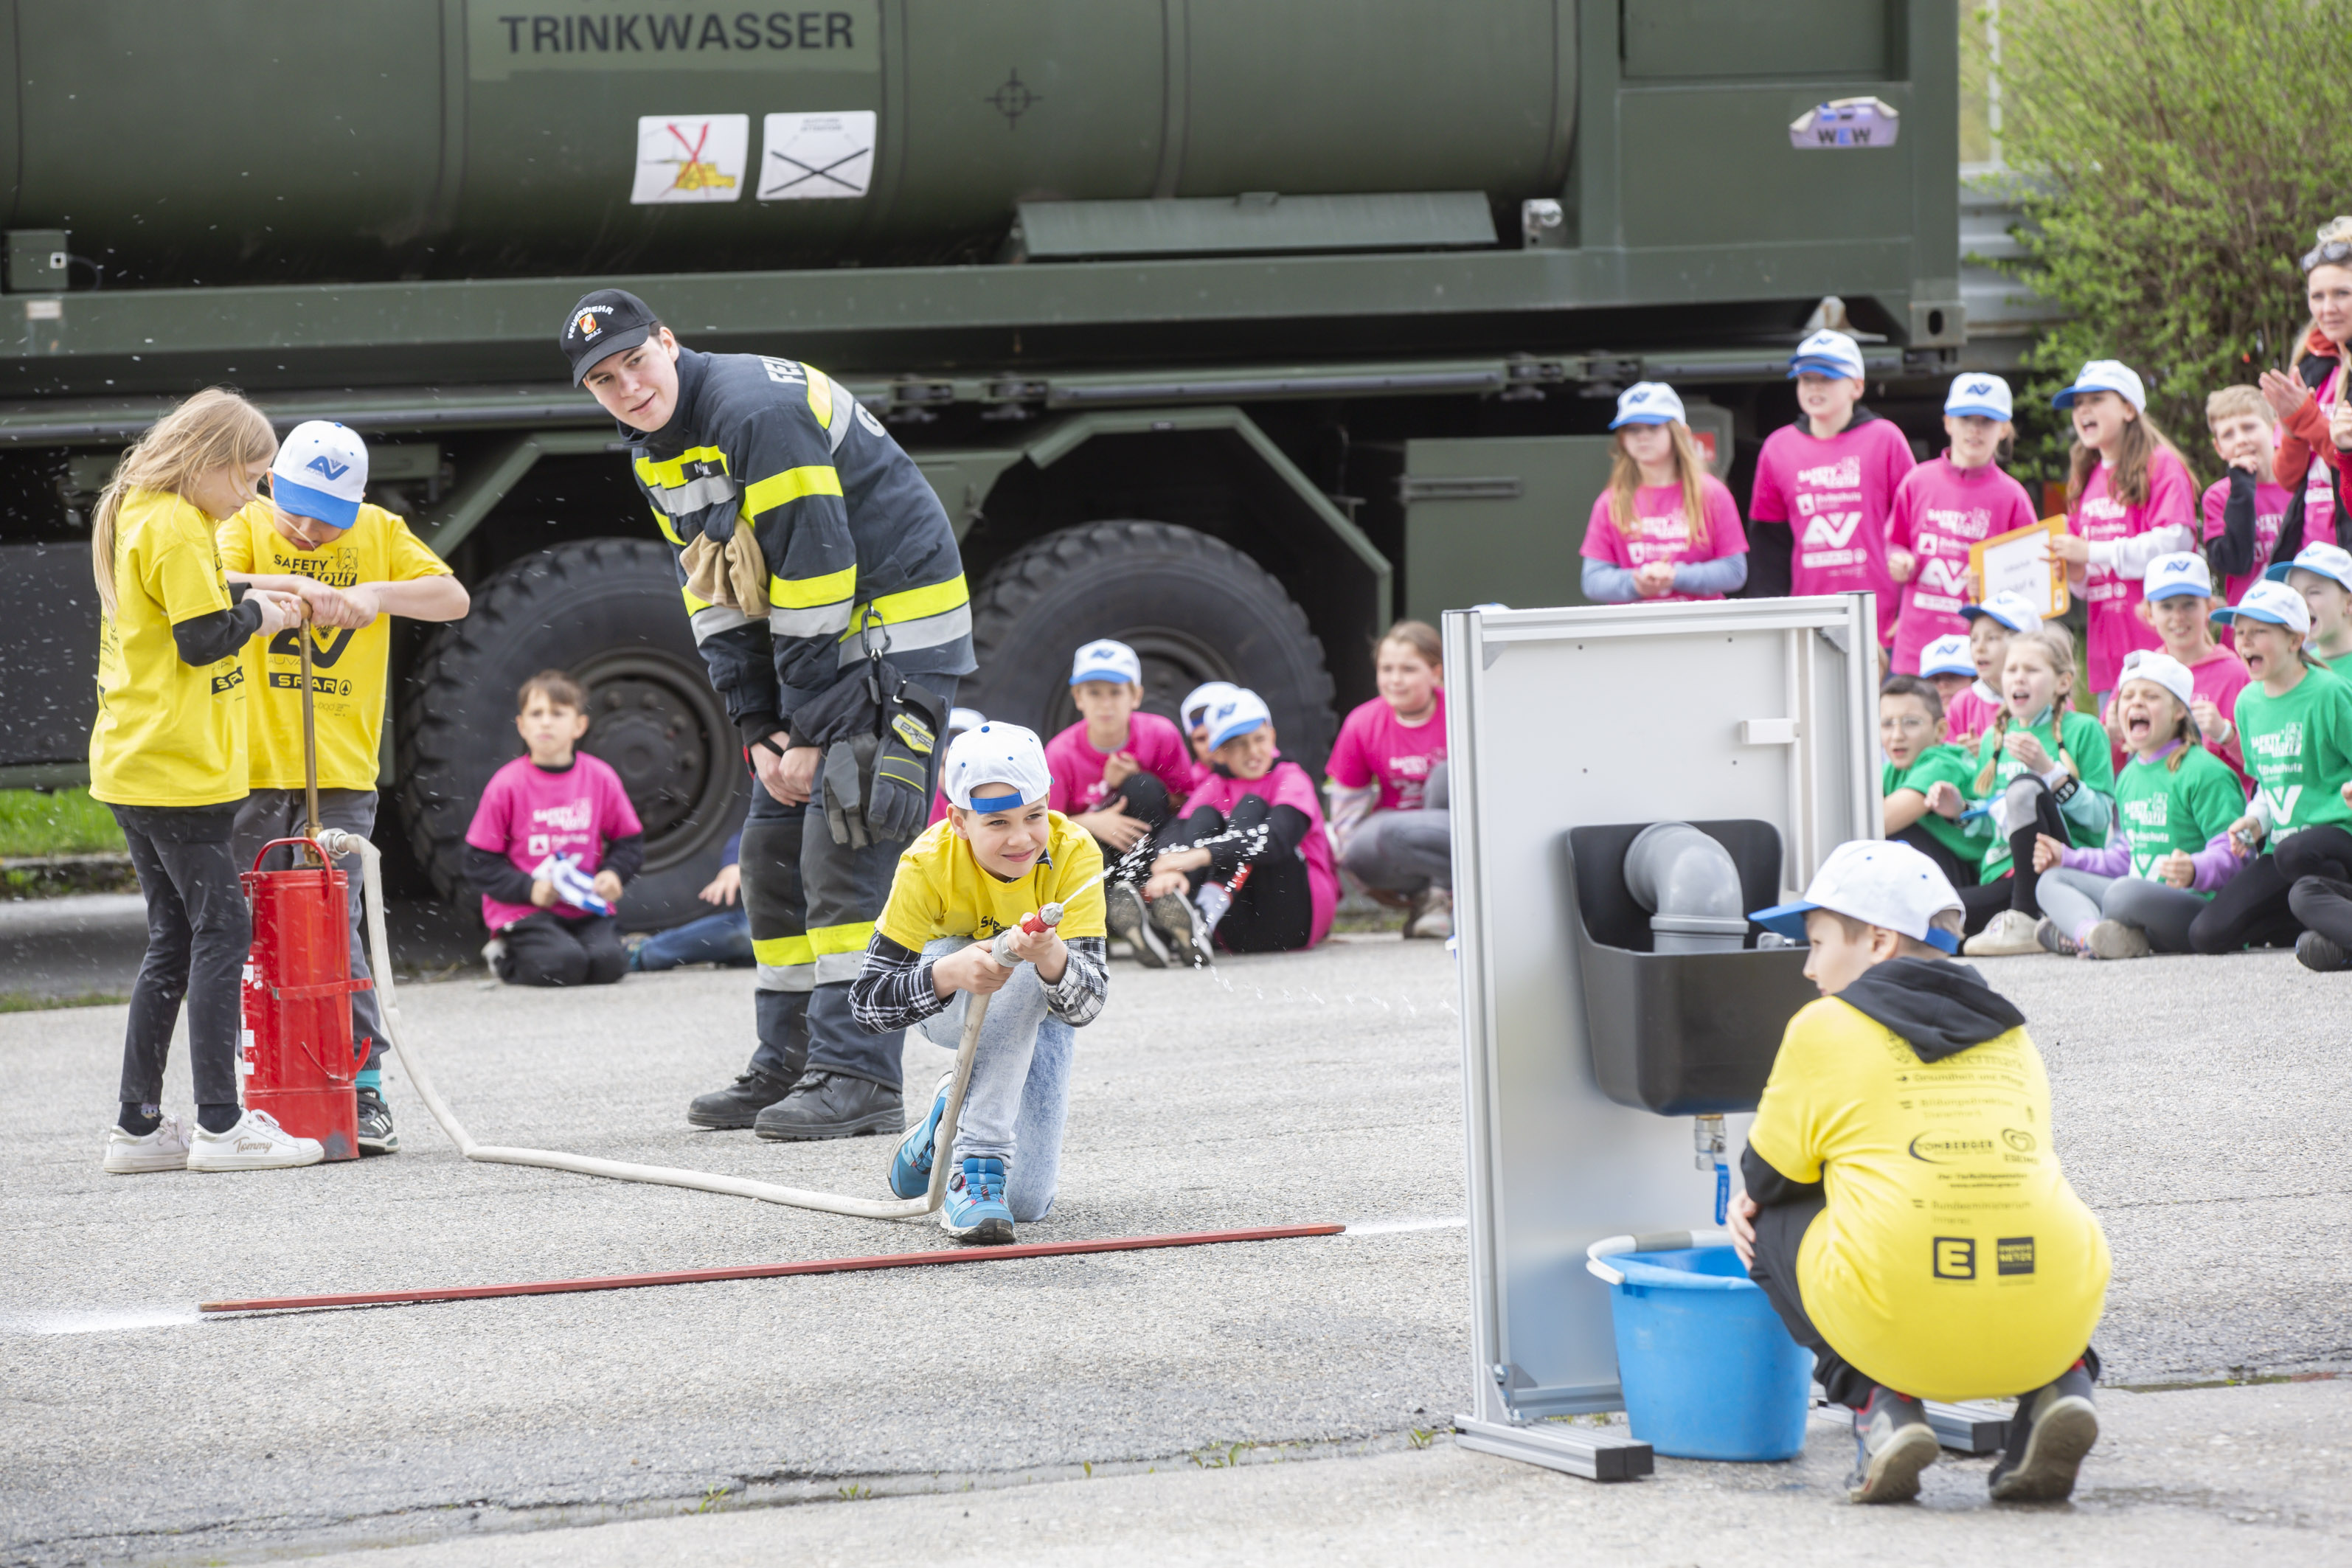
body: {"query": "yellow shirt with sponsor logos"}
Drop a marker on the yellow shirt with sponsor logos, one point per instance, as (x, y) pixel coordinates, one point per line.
(1953, 1261)
(941, 890)
(348, 667)
(167, 734)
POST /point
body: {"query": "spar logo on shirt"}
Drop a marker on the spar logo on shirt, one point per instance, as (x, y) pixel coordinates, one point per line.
(1843, 474)
(1831, 530)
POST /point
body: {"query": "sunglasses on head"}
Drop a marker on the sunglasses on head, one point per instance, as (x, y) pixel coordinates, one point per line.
(2332, 252)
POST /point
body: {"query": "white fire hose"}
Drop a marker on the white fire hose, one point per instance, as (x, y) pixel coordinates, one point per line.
(336, 842)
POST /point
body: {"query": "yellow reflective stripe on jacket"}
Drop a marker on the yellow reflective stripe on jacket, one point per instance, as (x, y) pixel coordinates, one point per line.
(693, 604)
(667, 532)
(912, 605)
(851, 937)
(766, 495)
(808, 592)
(670, 472)
(782, 951)
(820, 395)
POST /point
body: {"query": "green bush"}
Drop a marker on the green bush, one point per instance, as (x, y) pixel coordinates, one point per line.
(2174, 158)
(66, 822)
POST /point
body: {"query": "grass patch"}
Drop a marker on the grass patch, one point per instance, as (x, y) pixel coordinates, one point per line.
(26, 1002)
(54, 822)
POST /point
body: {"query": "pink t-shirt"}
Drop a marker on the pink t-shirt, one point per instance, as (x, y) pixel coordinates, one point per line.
(1939, 511)
(1375, 745)
(1156, 745)
(2269, 516)
(528, 814)
(1661, 532)
(1970, 713)
(2116, 630)
(1286, 783)
(1835, 496)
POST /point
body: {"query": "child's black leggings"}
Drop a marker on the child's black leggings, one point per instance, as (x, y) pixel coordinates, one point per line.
(2305, 879)
(1959, 873)
(545, 949)
(2016, 890)
(198, 933)
(1274, 908)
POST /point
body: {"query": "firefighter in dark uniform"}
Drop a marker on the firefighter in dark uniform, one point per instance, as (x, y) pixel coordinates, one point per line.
(859, 556)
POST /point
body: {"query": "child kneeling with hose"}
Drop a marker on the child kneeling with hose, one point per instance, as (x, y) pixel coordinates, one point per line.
(1002, 854)
(1905, 1210)
(168, 754)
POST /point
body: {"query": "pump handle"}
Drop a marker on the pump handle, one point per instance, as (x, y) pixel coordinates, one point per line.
(298, 838)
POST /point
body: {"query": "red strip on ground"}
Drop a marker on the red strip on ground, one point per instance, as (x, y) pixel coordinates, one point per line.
(773, 1271)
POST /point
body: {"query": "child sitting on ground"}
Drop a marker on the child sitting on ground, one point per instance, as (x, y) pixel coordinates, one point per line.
(2180, 605)
(1911, 733)
(557, 804)
(1388, 817)
(1990, 626)
(2249, 519)
(1119, 772)
(2041, 768)
(2322, 573)
(1906, 1212)
(1946, 665)
(1002, 856)
(2169, 848)
(1947, 505)
(1248, 863)
(1666, 527)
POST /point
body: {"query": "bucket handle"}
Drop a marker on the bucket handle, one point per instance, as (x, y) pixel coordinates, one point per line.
(1656, 1241)
(298, 838)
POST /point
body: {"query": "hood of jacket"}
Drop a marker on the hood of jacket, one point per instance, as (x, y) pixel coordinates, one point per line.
(681, 431)
(1939, 1007)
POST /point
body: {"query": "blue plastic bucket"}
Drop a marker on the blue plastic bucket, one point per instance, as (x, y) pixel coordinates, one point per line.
(1708, 1370)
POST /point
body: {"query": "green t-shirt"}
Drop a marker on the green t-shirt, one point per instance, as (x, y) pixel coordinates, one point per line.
(2299, 748)
(2083, 740)
(1937, 765)
(2160, 810)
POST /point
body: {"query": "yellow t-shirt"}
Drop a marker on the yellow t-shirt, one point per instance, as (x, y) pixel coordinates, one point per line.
(167, 734)
(1953, 1261)
(941, 890)
(348, 668)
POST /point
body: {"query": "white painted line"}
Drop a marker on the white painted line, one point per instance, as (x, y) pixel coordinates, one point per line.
(1392, 1227)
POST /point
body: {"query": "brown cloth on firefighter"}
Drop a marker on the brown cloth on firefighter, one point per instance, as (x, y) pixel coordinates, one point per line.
(733, 574)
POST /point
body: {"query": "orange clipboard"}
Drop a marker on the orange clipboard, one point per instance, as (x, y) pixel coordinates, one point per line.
(2023, 560)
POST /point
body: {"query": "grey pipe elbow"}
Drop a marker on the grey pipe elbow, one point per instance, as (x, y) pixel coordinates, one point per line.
(1690, 885)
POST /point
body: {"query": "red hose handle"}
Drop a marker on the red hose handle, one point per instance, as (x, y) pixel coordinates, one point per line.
(324, 859)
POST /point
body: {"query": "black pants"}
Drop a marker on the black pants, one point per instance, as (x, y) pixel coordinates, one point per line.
(1145, 799)
(2252, 910)
(1780, 1233)
(2317, 866)
(545, 949)
(1274, 908)
(1959, 873)
(198, 934)
(2016, 890)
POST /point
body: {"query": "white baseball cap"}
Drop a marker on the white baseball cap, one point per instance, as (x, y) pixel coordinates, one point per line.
(2327, 560)
(2151, 664)
(1106, 660)
(1879, 883)
(1202, 697)
(1827, 353)
(2273, 601)
(320, 472)
(1981, 394)
(2183, 575)
(1236, 716)
(2011, 609)
(1647, 403)
(2105, 375)
(1004, 763)
(1948, 656)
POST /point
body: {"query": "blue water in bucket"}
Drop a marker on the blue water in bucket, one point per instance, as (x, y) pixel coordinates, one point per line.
(1708, 1370)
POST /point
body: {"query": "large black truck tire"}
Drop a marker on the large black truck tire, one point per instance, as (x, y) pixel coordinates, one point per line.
(1192, 607)
(605, 612)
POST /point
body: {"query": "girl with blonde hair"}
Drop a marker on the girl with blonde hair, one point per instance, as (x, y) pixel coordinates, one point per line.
(1666, 527)
(168, 754)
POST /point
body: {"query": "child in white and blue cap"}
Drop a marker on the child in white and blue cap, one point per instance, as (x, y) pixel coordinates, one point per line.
(2322, 573)
(1003, 854)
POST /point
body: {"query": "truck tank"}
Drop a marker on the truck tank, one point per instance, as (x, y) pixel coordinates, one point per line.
(245, 141)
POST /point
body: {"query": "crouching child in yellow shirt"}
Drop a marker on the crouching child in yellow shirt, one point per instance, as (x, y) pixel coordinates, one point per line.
(1001, 854)
(1905, 1209)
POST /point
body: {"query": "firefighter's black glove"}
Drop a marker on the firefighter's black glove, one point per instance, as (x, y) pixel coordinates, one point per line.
(845, 762)
(899, 797)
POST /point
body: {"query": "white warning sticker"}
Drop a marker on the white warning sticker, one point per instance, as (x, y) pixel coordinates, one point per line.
(808, 156)
(1844, 122)
(690, 157)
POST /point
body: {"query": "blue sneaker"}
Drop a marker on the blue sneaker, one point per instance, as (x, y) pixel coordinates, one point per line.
(911, 1167)
(975, 1210)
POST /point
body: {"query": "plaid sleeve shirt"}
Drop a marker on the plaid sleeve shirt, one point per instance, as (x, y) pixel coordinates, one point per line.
(894, 990)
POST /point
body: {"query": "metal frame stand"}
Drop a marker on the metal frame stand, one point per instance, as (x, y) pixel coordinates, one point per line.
(1761, 708)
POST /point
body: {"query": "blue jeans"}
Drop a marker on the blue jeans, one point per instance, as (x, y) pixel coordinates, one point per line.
(1019, 1095)
(723, 938)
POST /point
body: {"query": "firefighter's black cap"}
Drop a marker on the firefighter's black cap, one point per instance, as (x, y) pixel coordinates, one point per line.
(604, 323)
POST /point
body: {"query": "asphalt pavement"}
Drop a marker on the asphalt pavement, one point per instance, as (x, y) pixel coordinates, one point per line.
(1259, 1402)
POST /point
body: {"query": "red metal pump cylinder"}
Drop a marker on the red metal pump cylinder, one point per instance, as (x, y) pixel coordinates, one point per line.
(298, 1059)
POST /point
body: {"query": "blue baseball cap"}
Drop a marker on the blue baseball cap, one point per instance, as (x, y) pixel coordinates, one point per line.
(1647, 403)
(1878, 882)
(1982, 395)
(1236, 716)
(320, 472)
(1827, 352)
(1948, 655)
(1106, 660)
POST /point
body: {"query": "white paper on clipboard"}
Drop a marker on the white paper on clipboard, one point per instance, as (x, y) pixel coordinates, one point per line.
(2020, 561)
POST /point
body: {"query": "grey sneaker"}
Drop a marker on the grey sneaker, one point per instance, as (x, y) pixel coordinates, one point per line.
(2112, 939)
(1175, 919)
(1124, 913)
(2314, 950)
(2053, 939)
(1893, 1443)
(1431, 914)
(2054, 1427)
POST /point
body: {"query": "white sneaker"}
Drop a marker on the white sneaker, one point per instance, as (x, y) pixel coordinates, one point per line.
(166, 1149)
(2010, 933)
(255, 1143)
(494, 952)
(1431, 914)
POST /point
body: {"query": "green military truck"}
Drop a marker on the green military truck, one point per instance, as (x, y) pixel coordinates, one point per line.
(1227, 329)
